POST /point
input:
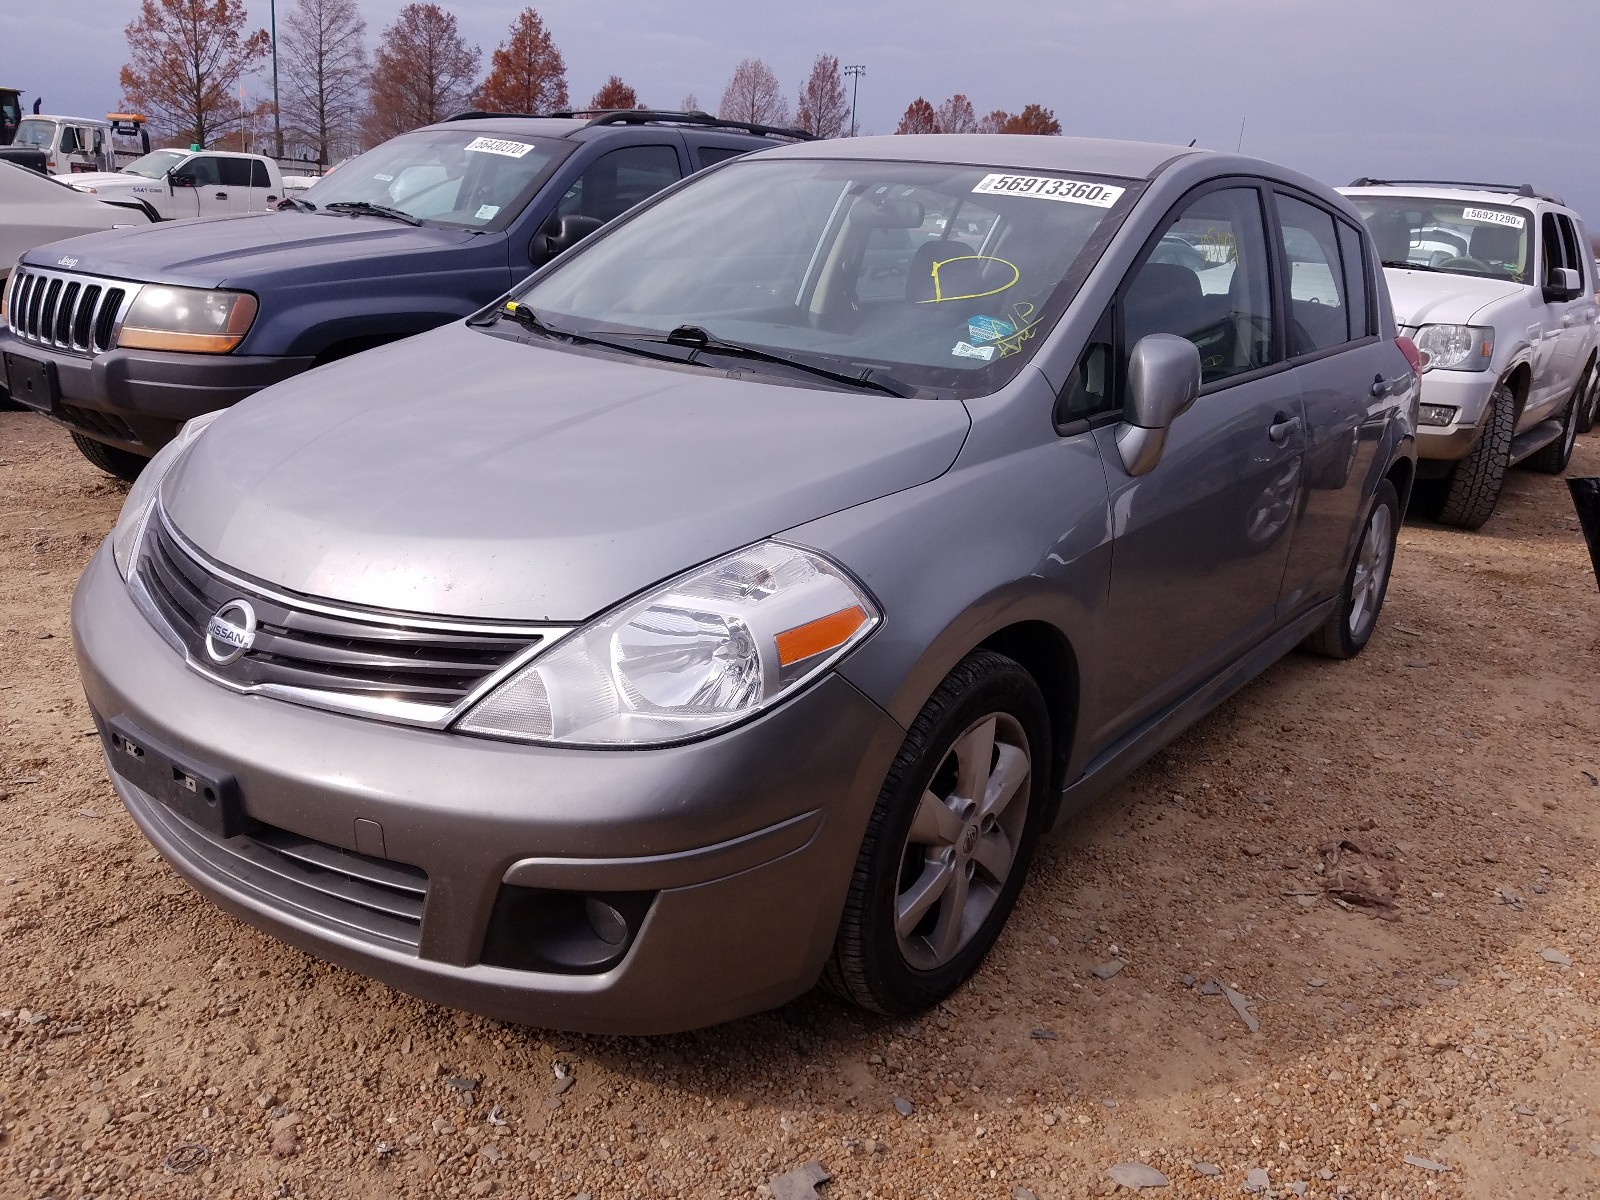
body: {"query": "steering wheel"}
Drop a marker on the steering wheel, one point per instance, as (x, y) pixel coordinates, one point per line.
(1465, 262)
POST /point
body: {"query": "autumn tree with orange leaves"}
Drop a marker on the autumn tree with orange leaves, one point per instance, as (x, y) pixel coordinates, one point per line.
(956, 115)
(824, 109)
(615, 94)
(527, 73)
(187, 59)
(422, 72)
(919, 118)
(753, 95)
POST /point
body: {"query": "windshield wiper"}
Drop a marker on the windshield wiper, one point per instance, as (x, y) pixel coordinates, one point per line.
(529, 320)
(1411, 266)
(697, 339)
(367, 208)
(296, 203)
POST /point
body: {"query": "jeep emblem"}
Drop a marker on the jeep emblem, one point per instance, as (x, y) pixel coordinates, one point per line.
(66, 260)
(231, 632)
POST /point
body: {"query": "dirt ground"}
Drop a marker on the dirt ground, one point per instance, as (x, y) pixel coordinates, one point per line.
(151, 1046)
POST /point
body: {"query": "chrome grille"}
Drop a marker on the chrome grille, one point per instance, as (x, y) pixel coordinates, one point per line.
(78, 313)
(392, 666)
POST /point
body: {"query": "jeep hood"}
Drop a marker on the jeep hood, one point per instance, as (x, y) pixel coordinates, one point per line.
(246, 249)
(464, 474)
(1439, 298)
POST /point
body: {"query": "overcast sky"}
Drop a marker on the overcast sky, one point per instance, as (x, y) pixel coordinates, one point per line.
(1459, 89)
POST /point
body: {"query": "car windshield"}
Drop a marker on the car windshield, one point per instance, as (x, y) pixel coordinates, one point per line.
(943, 276)
(34, 132)
(1444, 235)
(156, 164)
(449, 176)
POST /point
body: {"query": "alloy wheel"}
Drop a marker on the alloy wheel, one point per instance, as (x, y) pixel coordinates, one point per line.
(1372, 569)
(963, 841)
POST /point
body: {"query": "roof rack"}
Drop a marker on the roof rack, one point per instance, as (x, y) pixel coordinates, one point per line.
(648, 116)
(1526, 190)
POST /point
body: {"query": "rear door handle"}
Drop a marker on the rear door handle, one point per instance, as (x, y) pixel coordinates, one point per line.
(222, 195)
(1282, 427)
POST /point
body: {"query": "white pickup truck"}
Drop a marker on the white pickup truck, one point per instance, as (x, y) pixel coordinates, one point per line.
(190, 183)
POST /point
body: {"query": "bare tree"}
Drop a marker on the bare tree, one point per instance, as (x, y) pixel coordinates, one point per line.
(691, 103)
(422, 72)
(956, 115)
(824, 110)
(324, 57)
(754, 95)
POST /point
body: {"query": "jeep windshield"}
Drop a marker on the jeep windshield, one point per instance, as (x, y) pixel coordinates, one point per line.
(1442, 235)
(156, 164)
(945, 277)
(442, 176)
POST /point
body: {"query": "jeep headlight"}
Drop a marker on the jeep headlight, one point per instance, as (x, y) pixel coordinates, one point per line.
(690, 656)
(141, 501)
(1456, 347)
(179, 318)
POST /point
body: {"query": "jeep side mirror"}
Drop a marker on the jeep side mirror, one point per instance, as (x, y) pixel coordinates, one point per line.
(559, 234)
(1163, 382)
(179, 179)
(1564, 284)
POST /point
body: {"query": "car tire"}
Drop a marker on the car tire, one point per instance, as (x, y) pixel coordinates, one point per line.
(1470, 495)
(1553, 459)
(1349, 626)
(1591, 402)
(940, 866)
(124, 464)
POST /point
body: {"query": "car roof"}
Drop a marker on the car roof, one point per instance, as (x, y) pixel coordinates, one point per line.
(1459, 195)
(582, 128)
(1095, 156)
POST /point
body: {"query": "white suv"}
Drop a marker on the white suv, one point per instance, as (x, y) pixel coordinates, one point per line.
(1495, 285)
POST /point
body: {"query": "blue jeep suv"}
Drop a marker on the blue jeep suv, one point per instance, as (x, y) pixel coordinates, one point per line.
(123, 336)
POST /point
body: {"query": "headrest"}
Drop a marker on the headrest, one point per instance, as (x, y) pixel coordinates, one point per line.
(919, 277)
(1496, 243)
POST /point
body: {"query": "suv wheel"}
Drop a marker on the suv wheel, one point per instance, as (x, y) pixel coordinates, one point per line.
(1553, 459)
(1473, 488)
(1591, 402)
(124, 464)
(949, 841)
(1349, 626)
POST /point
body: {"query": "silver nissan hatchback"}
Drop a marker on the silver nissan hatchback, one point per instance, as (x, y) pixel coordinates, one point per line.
(736, 603)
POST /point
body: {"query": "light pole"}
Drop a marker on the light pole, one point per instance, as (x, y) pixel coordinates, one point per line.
(277, 122)
(855, 71)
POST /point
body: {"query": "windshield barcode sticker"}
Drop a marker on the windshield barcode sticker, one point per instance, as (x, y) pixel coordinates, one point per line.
(1050, 187)
(1493, 216)
(499, 146)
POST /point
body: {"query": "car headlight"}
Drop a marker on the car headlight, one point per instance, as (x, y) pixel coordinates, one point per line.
(179, 318)
(141, 501)
(1456, 347)
(693, 655)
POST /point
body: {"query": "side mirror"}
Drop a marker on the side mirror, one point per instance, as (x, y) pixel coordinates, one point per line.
(1163, 382)
(559, 234)
(1564, 284)
(181, 180)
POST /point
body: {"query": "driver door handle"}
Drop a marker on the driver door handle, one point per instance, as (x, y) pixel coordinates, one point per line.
(222, 195)
(1282, 427)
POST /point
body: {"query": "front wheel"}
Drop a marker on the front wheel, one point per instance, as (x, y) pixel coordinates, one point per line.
(124, 464)
(1349, 626)
(1472, 492)
(949, 840)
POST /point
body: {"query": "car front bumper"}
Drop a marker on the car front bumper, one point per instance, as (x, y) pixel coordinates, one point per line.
(1467, 392)
(738, 849)
(138, 399)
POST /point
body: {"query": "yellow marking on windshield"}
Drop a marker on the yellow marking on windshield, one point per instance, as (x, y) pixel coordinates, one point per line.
(938, 289)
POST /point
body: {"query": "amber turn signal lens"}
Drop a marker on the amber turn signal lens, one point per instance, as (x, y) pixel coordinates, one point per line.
(816, 637)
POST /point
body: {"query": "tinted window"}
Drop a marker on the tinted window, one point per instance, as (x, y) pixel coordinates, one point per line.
(1569, 243)
(1550, 251)
(234, 172)
(258, 175)
(1355, 279)
(711, 155)
(204, 171)
(1317, 318)
(1206, 279)
(615, 182)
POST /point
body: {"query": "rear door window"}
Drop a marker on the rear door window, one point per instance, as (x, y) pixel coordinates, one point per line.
(709, 156)
(1318, 317)
(235, 172)
(258, 174)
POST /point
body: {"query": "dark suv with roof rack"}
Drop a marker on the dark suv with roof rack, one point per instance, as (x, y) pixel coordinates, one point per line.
(123, 338)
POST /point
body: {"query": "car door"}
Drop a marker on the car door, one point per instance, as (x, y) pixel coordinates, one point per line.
(603, 187)
(1201, 541)
(262, 194)
(1545, 325)
(1345, 373)
(210, 197)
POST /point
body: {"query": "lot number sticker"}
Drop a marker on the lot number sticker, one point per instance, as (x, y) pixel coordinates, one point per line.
(1049, 187)
(1490, 216)
(488, 145)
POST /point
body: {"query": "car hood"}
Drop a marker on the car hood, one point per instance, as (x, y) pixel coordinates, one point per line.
(243, 249)
(463, 474)
(1434, 297)
(101, 179)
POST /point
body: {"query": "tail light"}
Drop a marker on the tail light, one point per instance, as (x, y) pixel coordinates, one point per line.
(1415, 357)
